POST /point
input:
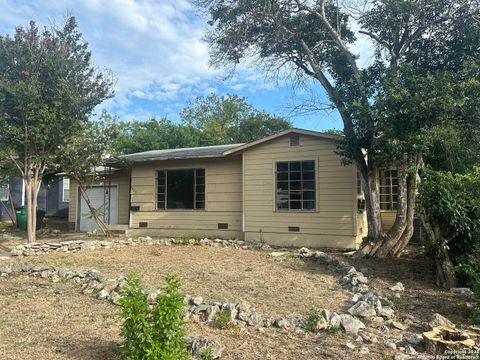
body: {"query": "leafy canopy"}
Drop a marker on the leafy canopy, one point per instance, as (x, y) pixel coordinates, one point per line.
(48, 89)
(210, 120)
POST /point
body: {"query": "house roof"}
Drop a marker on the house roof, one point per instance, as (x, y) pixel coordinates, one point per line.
(282, 133)
(217, 150)
(183, 153)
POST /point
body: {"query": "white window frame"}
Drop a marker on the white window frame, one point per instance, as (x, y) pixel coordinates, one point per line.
(65, 188)
(389, 190)
(7, 192)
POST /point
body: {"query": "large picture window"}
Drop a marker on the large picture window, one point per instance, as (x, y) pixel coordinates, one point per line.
(181, 189)
(389, 190)
(295, 185)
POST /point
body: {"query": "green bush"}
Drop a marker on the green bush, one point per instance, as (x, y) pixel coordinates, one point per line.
(153, 333)
(311, 320)
(222, 318)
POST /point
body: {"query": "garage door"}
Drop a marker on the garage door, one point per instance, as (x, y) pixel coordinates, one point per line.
(100, 196)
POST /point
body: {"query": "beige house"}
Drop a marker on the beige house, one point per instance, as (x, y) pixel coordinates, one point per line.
(288, 189)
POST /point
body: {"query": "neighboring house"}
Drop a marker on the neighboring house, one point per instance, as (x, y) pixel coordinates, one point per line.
(53, 196)
(288, 189)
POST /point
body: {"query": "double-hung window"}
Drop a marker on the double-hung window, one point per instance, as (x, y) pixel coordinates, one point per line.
(388, 190)
(295, 185)
(65, 189)
(182, 189)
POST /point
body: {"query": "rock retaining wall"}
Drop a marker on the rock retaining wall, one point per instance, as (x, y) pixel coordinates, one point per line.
(33, 249)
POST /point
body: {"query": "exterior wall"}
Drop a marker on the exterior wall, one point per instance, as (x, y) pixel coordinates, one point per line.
(48, 196)
(388, 218)
(122, 180)
(223, 200)
(333, 224)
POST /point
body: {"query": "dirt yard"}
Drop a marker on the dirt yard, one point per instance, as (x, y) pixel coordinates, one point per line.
(43, 320)
(275, 286)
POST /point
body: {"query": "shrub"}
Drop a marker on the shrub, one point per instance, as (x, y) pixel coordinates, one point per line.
(311, 320)
(222, 318)
(153, 333)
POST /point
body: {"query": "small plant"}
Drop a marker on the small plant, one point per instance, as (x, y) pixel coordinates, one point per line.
(222, 319)
(334, 329)
(153, 333)
(248, 268)
(156, 253)
(206, 354)
(312, 319)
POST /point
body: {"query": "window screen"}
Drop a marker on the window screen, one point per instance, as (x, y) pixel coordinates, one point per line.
(181, 189)
(295, 185)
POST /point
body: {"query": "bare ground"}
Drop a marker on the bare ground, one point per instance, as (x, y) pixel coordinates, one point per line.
(42, 320)
(274, 286)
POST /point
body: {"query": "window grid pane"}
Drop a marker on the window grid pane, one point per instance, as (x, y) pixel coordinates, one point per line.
(389, 190)
(295, 185)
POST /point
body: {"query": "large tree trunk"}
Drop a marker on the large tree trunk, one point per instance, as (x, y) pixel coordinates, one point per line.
(445, 275)
(379, 244)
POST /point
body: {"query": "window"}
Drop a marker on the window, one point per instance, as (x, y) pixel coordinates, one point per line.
(181, 189)
(294, 140)
(4, 196)
(65, 189)
(388, 190)
(295, 182)
(360, 192)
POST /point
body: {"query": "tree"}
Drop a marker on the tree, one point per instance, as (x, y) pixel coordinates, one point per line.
(138, 136)
(210, 120)
(230, 119)
(81, 156)
(48, 89)
(313, 40)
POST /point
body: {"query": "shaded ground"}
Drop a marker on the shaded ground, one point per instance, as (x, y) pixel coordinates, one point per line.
(275, 286)
(421, 297)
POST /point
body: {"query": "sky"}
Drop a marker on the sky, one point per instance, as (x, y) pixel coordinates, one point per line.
(155, 51)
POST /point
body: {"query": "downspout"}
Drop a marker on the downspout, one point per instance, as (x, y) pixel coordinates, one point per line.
(23, 193)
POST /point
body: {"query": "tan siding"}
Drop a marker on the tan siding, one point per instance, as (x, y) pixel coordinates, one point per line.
(123, 183)
(223, 204)
(334, 222)
(388, 218)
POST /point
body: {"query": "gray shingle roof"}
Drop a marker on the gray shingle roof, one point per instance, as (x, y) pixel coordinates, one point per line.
(185, 153)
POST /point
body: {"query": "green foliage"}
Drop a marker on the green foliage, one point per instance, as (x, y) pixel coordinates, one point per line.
(452, 202)
(334, 329)
(230, 119)
(138, 136)
(222, 319)
(211, 120)
(468, 274)
(207, 354)
(48, 89)
(312, 318)
(153, 333)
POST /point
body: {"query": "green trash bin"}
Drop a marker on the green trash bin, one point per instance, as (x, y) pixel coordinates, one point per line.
(21, 215)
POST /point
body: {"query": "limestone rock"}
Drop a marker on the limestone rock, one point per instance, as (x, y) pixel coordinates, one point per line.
(350, 324)
(398, 287)
(362, 309)
(439, 320)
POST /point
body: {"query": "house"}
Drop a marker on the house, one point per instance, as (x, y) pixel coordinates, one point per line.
(52, 199)
(288, 189)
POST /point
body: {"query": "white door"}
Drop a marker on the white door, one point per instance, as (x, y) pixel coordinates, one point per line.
(100, 198)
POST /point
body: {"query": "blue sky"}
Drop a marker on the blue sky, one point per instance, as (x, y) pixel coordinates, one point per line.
(156, 53)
